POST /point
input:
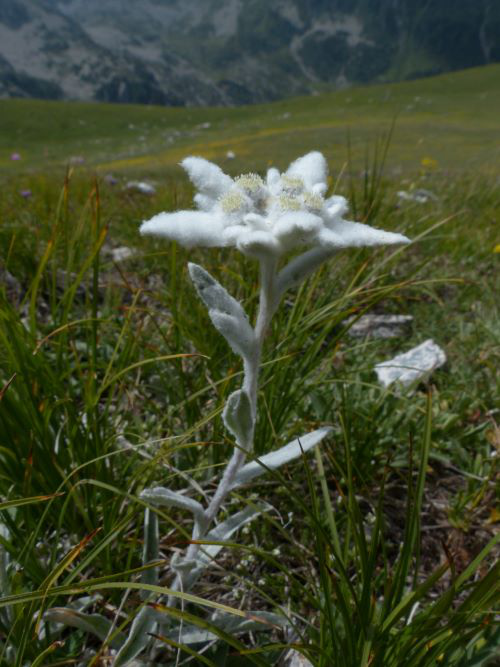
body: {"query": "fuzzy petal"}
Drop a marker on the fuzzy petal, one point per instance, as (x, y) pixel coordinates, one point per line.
(336, 206)
(344, 234)
(256, 222)
(311, 168)
(296, 224)
(232, 233)
(189, 228)
(258, 244)
(273, 180)
(203, 202)
(320, 189)
(208, 178)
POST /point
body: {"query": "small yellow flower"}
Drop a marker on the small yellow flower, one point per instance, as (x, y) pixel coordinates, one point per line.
(496, 249)
(429, 163)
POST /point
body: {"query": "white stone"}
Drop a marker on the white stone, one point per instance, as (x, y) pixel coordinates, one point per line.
(420, 196)
(296, 659)
(142, 187)
(121, 253)
(411, 366)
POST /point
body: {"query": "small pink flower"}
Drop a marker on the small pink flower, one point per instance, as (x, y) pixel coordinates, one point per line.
(15, 156)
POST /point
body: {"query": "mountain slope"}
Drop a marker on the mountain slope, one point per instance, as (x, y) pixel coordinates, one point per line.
(448, 122)
(233, 51)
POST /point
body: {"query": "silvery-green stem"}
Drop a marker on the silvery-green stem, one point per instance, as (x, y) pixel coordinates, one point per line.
(250, 381)
(297, 270)
(267, 305)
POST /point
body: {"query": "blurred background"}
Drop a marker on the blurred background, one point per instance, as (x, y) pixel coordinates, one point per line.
(213, 52)
(247, 81)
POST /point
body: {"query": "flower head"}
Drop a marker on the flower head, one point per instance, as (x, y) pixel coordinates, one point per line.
(266, 217)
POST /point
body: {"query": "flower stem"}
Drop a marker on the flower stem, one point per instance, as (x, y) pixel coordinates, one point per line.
(250, 381)
(267, 306)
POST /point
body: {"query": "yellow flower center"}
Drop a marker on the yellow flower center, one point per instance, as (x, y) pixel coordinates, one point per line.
(232, 202)
(292, 184)
(288, 203)
(313, 201)
(250, 183)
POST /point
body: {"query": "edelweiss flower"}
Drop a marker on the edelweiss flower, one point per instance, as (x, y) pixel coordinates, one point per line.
(263, 218)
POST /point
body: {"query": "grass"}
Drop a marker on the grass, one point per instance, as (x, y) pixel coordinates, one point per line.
(437, 118)
(381, 550)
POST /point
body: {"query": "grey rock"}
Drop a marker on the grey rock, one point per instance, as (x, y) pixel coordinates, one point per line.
(419, 196)
(412, 366)
(13, 287)
(121, 253)
(380, 326)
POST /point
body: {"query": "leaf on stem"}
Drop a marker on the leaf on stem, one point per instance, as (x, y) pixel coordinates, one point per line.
(238, 418)
(95, 624)
(162, 497)
(142, 627)
(281, 456)
(299, 268)
(256, 621)
(227, 314)
(221, 533)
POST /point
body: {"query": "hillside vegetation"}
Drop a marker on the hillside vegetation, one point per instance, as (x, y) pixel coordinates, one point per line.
(381, 548)
(450, 121)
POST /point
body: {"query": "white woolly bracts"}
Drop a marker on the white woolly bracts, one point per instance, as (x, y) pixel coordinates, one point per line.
(266, 217)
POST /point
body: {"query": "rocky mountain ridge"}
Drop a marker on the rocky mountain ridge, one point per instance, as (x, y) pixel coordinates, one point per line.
(197, 52)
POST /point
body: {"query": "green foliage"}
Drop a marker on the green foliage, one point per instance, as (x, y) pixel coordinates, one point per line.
(437, 119)
(377, 552)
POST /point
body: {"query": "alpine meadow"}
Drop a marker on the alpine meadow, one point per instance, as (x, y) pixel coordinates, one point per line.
(201, 462)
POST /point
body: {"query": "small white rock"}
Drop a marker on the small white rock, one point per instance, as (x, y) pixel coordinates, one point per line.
(411, 366)
(121, 253)
(141, 186)
(420, 196)
(296, 659)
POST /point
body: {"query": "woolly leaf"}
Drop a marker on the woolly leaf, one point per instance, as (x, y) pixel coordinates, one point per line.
(238, 418)
(95, 624)
(240, 336)
(281, 456)
(227, 314)
(257, 621)
(139, 636)
(213, 295)
(221, 533)
(297, 270)
(162, 497)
